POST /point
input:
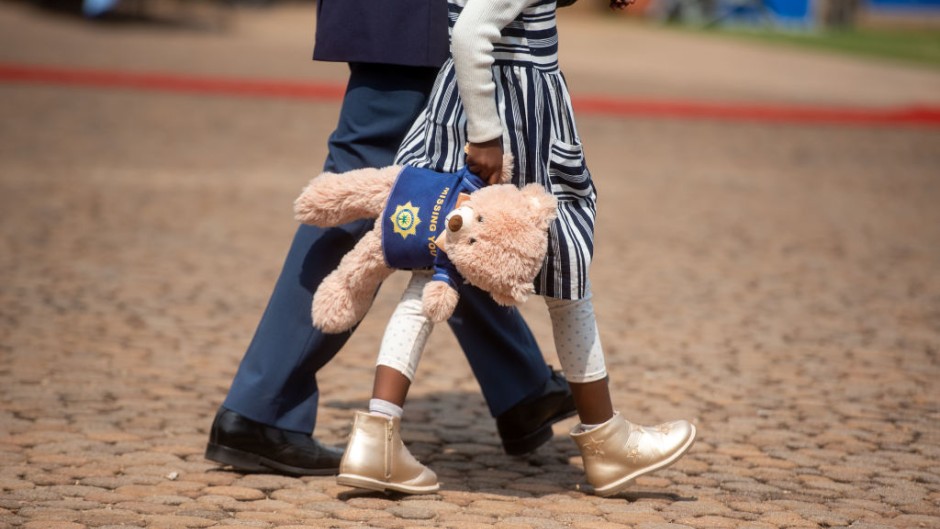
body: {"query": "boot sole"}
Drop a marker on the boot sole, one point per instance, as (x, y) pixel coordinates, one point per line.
(248, 462)
(626, 481)
(352, 480)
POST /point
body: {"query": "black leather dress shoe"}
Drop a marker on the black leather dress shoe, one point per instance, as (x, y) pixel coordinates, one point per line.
(528, 425)
(251, 446)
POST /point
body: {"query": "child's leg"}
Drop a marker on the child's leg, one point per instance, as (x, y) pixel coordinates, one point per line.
(390, 385)
(615, 451)
(581, 356)
(375, 457)
(405, 336)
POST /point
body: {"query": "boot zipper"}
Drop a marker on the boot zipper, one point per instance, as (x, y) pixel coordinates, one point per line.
(388, 451)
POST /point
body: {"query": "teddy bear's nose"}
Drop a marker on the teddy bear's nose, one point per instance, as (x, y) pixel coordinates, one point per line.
(454, 223)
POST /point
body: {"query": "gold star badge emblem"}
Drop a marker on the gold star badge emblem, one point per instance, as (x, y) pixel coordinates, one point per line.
(405, 220)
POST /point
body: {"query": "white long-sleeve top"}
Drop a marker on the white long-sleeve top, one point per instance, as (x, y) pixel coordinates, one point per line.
(476, 30)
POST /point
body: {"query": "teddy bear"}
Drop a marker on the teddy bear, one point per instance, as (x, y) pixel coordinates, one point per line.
(494, 237)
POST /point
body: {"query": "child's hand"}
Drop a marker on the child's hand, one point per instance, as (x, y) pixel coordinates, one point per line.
(486, 159)
(620, 4)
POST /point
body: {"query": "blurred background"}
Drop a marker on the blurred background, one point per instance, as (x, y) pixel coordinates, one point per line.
(899, 28)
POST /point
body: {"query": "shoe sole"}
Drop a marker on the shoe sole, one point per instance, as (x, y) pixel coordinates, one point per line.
(528, 444)
(626, 481)
(360, 482)
(248, 462)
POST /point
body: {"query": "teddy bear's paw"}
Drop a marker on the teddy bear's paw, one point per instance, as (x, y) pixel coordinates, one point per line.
(439, 301)
(328, 320)
(335, 310)
(313, 206)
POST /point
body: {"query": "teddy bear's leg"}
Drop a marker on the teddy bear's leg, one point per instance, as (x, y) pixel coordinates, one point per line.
(439, 300)
(345, 295)
(333, 199)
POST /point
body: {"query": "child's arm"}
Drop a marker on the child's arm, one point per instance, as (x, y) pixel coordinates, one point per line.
(477, 28)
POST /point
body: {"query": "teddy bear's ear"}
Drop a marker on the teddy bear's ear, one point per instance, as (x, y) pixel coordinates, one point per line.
(502, 299)
(441, 241)
(521, 292)
(543, 203)
(518, 295)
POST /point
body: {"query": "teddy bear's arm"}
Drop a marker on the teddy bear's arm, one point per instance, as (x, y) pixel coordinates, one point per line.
(440, 296)
(333, 199)
(344, 296)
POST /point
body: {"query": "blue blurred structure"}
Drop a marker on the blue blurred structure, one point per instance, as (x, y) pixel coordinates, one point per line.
(927, 7)
(94, 8)
(790, 13)
(785, 14)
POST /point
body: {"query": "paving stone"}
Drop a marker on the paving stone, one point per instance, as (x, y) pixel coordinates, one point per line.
(594, 524)
(273, 517)
(867, 524)
(467, 524)
(263, 505)
(300, 496)
(437, 506)
(31, 495)
(633, 518)
(16, 484)
(96, 517)
(412, 512)
(751, 487)
(210, 478)
(572, 507)
(913, 521)
(704, 522)
(171, 521)
(76, 504)
(268, 482)
(144, 507)
(238, 493)
(514, 521)
(868, 505)
(48, 513)
(922, 507)
(494, 508)
(325, 506)
(114, 482)
(330, 524)
(786, 519)
(656, 525)
(48, 524)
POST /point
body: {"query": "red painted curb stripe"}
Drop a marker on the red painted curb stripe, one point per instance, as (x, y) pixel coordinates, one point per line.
(614, 107)
(13, 73)
(914, 115)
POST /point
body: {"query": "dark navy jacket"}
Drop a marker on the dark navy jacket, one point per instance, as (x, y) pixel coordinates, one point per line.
(401, 32)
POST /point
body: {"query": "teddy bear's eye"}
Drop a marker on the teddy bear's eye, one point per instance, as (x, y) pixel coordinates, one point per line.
(471, 241)
(479, 218)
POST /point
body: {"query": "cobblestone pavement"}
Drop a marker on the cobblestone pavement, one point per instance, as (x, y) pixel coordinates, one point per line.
(777, 284)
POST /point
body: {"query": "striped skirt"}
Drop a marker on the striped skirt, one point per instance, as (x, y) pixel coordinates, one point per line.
(539, 131)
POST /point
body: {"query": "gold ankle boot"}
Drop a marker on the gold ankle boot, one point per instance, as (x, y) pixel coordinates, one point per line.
(376, 459)
(618, 451)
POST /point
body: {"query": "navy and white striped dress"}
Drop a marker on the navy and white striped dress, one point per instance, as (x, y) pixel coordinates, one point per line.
(538, 129)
